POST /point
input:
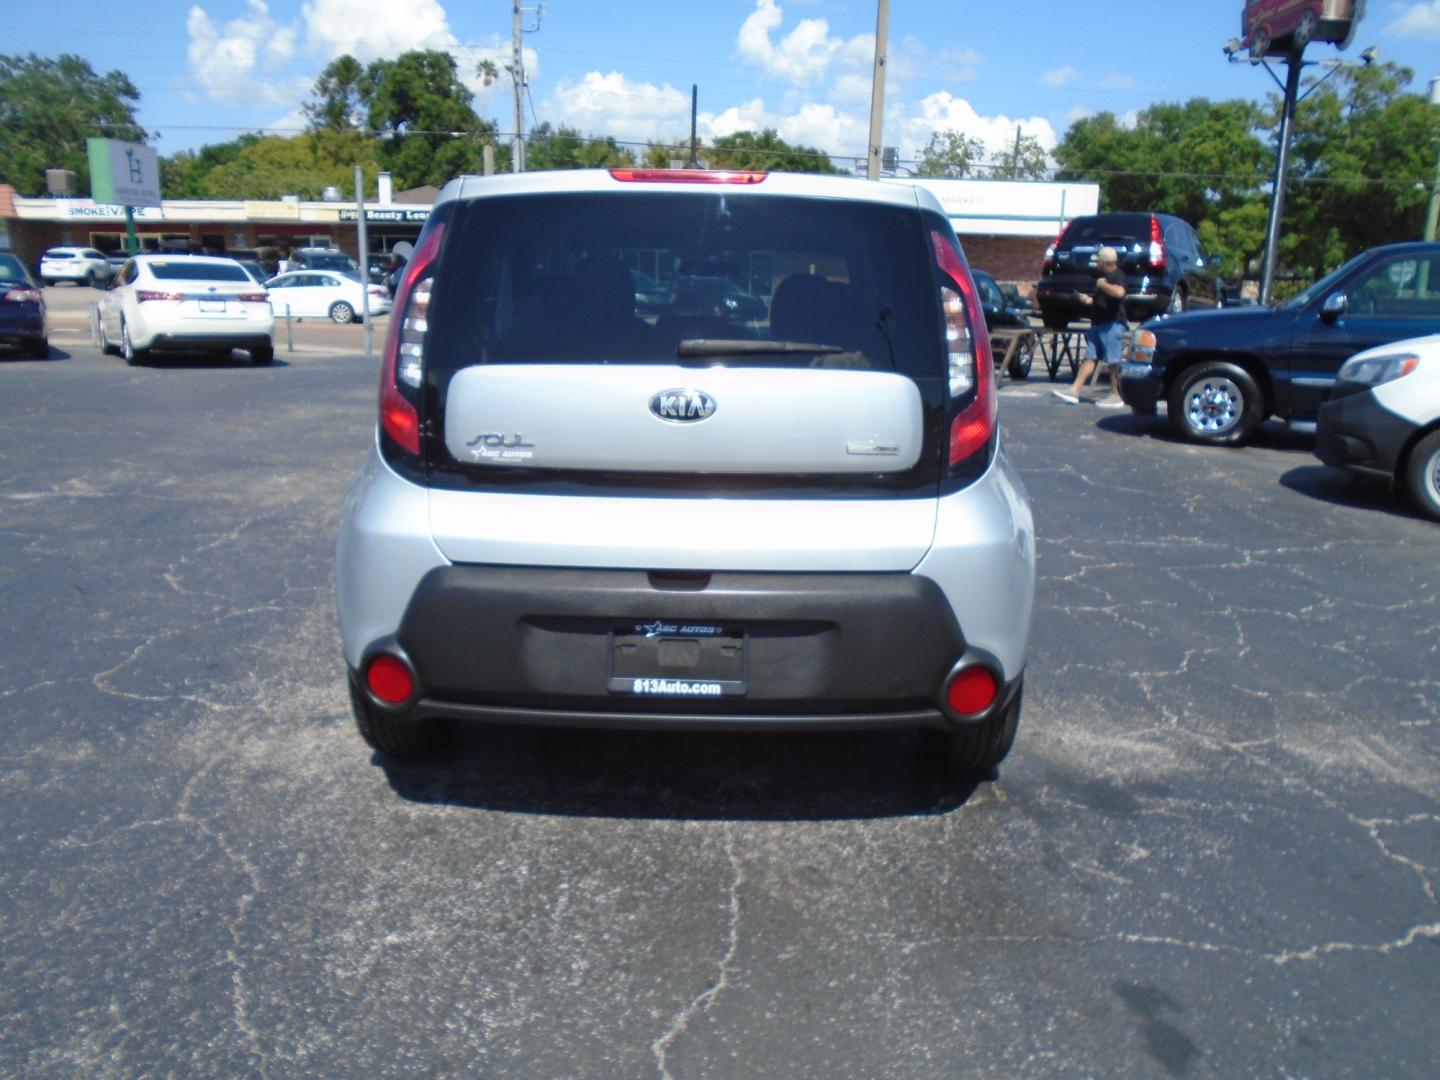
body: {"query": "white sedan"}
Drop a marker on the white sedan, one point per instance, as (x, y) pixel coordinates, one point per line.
(323, 294)
(185, 302)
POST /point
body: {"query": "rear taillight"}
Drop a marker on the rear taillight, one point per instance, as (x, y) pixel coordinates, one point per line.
(689, 176)
(147, 296)
(21, 296)
(403, 370)
(1157, 244)
(1053, 248)
(970, 369)
(377, 292)
(253, 297)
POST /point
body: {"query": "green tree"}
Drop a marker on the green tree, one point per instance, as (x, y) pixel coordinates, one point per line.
(564, 147)
(1361, 160)
(268, 166)
(48, 107)
(1024, 159)
(418, 100)
(764, 150)
(340, 96)
(1201, 160)
(950, 154)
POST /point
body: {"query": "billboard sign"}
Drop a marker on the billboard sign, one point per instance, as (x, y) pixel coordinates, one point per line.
(123, 173)
(1287, 26)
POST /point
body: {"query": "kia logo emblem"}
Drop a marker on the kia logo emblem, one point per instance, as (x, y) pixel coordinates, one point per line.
(682, 406)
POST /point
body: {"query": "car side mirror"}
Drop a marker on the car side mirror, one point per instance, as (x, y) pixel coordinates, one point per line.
(1335, 305)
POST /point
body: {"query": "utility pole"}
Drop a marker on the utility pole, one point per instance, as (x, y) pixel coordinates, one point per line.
(1282, 170)
(694, 121)
(1432, 213)
(364, 255)
(877, 90)
(517, 82)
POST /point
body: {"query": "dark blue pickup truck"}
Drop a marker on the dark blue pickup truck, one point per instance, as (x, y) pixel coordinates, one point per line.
(1222, 373)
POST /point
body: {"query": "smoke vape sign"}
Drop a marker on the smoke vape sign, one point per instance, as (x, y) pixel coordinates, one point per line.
(123, 173)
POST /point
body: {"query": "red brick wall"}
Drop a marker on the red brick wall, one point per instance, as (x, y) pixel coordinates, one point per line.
(1008, 259)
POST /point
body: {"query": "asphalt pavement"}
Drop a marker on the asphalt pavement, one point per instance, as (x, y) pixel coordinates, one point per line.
(1213, 852)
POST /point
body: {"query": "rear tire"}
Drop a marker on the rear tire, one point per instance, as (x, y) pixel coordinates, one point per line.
(977, 748)
(389, 735)
(1422, 475)
(341, 313)
(38, 350)
(262, 354)
(1304, 31)
(1178, 302)
(1215, 403)
(128, 350)
(1021, 360)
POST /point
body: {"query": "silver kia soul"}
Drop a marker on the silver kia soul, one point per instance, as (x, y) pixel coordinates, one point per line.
(688, 449)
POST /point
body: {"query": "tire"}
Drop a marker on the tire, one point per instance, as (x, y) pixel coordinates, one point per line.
(1422, 475)
(974, 750)
(128, 350)
(38, 350)
(341, 313)
(392, 736)
(1304, 32)
(1260, 44)
(262, 354)
(107, 347)
(1215, 403)
(1021, 360)
(1178, 303)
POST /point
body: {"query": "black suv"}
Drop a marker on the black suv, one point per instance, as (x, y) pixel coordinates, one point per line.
(1224, 372)
(1166, 268)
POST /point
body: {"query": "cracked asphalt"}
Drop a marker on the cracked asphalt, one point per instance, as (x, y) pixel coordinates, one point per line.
(1213, 852)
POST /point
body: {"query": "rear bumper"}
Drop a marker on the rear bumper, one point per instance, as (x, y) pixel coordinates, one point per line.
(537, 645)
(1357, 433)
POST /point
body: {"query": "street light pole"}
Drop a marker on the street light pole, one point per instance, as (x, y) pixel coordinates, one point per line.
(1432, 215)
(364, 255)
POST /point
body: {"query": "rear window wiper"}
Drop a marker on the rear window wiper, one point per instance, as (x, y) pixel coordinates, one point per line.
(748, 347)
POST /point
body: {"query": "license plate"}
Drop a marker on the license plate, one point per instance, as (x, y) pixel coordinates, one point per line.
(212, 305)
(677, 659)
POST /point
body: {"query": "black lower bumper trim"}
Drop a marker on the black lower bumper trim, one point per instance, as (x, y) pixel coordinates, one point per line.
(507, 714)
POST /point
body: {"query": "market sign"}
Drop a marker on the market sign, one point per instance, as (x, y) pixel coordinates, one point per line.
(409, 216)
(123, 173)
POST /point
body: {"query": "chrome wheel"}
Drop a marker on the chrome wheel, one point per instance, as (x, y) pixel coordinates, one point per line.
(1213, 406)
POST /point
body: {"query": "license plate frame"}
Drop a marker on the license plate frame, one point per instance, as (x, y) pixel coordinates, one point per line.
(679, 659)
(212, 307)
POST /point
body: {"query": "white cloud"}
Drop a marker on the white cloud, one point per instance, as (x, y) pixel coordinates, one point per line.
(1420, 20)
(1061, 76)
(1078, 112)
(1117, 80)
(227, 61)
(805, 53)
(611, 104)
(825, 128)
(943, 112)
(370, 29)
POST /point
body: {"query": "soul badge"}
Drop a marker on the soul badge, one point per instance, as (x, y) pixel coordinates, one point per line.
(492, 446)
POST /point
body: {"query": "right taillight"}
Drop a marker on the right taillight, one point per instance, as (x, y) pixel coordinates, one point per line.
(1053, 248)
(20, 296)
(147, 296)
(402, 373)
(970, 368)
(1157, 244)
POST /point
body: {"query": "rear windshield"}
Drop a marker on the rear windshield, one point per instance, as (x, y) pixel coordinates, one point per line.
(59, 253)
(1109, 229)
(332, 261)
(175, 271)
(702, 277)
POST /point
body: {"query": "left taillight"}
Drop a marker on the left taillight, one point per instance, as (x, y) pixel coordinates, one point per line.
(402, 373)
(146, 296)
(22, 296)
(970, 390)
(1157, 243)
(253, 297)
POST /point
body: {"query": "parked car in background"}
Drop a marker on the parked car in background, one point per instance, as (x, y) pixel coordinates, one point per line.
(185, 302)
(1167, 270)
(1383, 418)
(1003, 311)
(1222, 373)
(571, 516)
(81, 265)
(310, 258)
(253, 268)
(22, 309)
(651, 298)
(307, 294)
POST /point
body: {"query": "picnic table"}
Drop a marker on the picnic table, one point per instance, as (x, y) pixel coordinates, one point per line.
(1015, 349)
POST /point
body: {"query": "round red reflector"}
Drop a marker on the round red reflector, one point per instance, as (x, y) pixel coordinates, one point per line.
(389, 680)
(972, 691)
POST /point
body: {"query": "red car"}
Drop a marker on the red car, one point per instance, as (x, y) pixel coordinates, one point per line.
(1289, 25)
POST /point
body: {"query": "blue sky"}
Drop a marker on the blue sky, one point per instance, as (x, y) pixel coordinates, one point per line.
(210, 70)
